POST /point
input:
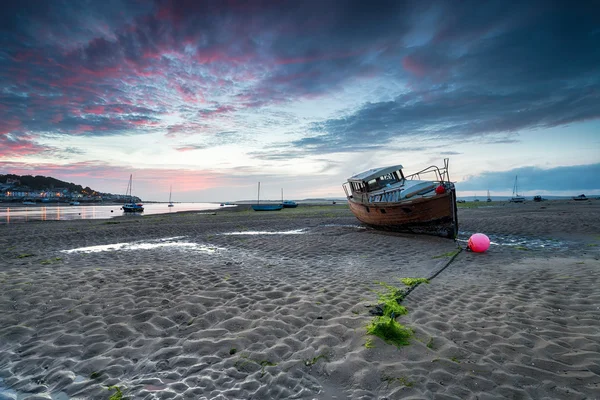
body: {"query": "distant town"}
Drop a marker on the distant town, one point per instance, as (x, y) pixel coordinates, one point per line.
(41, 189)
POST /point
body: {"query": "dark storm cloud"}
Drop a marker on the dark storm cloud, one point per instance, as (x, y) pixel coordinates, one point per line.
(574, 178)
(468, 68)
(486, 73)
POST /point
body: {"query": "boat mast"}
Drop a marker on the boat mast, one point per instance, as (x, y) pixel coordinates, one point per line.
(170, 189)
(131, 188)
(258, 193)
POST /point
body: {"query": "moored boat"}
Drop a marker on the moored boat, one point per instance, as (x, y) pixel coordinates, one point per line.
(289, 204)
(265, 207)
(581, 197)
(131, 206)
(516, 197)
(384, 198)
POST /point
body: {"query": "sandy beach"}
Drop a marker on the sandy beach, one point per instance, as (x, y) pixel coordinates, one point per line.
(246, 305)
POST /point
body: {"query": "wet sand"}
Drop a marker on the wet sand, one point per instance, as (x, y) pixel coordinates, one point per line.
(247, 305)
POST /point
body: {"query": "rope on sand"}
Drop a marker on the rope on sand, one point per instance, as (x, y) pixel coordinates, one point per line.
(378, 309)
(439, 271)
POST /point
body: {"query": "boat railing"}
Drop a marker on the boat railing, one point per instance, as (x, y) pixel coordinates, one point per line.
(441, 174)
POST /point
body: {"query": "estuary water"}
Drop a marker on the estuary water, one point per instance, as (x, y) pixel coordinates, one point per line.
(56, 212)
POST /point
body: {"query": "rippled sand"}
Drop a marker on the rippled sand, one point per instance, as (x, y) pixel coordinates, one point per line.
(246, 305)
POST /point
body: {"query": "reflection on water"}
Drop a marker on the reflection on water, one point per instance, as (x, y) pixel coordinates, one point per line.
(12, 214)
(147, 245)
(292, 232)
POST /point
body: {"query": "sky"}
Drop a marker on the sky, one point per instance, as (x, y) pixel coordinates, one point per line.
(212, 97)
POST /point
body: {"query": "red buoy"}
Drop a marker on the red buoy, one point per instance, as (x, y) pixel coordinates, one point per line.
(440, 189)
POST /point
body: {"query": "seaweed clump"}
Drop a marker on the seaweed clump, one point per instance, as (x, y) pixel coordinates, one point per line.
(384, 325)
(389, 330)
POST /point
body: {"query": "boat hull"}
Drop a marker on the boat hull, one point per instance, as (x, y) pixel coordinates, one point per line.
(267, 207)
(132, 208)
(290, 204)
(432, 215)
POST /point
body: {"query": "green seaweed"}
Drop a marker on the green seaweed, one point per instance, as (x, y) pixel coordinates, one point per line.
(265, 363)
(414, 281)
(369, 343)
(456, 360)
(314, 360)
(25, 255)
(112, 222)
(388, 329)
(430, 343)
(401, 380)
(232, 351)
(391, 299)
(522, 248)
(118, 395)
(246, 360)
(95, 375)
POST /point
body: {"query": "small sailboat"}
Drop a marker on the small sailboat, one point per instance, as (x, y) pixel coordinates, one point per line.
(288, 203)
(489, 199)
(131, 206)
(265, 207)
(516, 198)
(170, 191)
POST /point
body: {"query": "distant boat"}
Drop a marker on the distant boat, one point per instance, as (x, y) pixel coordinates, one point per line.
(131, 207)
(265, 207)
(386, 199)
(170, 202)
(74, 203)
(489, 199)
(288, 203)
(581, 197)
(29, 202)
(516, 198)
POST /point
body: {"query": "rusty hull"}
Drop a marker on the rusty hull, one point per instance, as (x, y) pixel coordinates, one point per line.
(433, 216)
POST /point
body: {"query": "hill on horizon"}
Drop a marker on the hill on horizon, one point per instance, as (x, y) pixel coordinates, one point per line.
(40, 182)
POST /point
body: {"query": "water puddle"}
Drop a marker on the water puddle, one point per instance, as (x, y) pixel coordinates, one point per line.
(525, 243)
(292, 232)
(351, 226)
(173, 242)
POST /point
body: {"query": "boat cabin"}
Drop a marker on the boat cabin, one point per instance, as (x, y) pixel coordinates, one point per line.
(375, 179)
(388, 184)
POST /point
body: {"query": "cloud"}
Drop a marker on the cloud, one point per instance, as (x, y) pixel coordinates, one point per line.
(194, 68)
(569, 178)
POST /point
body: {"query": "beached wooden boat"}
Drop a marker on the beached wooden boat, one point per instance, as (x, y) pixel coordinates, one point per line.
(581, 197)
(384, 198)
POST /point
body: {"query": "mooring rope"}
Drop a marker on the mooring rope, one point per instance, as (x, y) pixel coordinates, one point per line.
(410, 289)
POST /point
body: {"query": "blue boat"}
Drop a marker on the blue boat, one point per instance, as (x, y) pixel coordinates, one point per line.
(131, 206)
(265, 207)
(290, 204)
